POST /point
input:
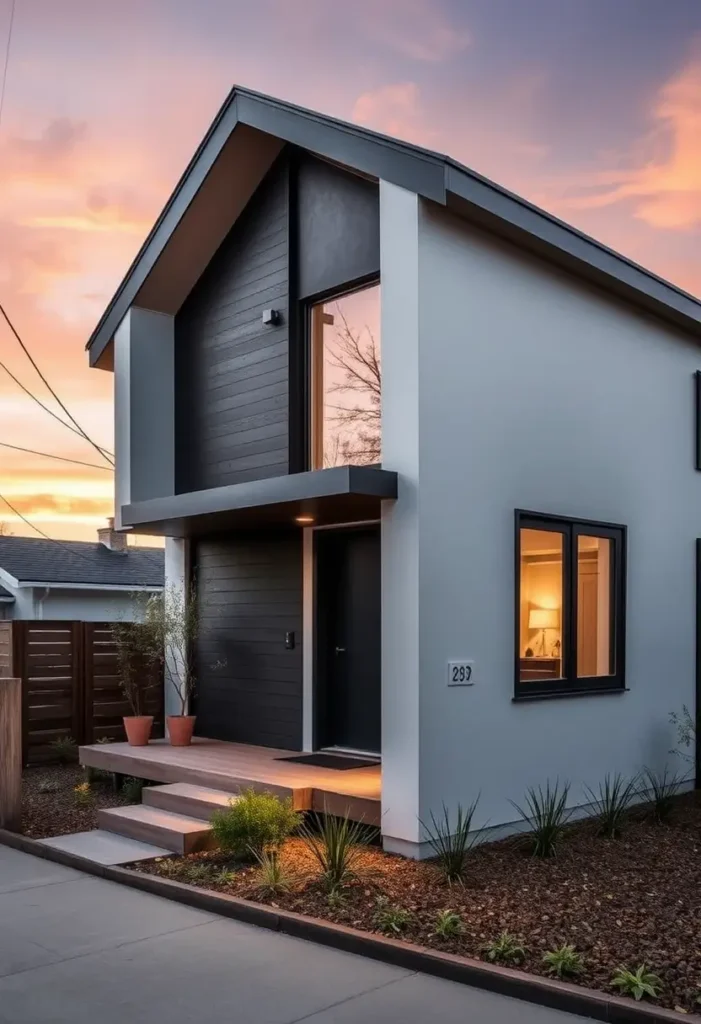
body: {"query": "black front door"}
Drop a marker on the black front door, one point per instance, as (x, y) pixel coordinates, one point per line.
(348, 687)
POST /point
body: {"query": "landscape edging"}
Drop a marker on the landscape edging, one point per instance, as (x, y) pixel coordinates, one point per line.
(502, 980)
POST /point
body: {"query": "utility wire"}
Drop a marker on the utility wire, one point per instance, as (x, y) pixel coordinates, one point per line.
(70, 416)
(7, 58)
(61, 458)
(39, 402)
(71, 551)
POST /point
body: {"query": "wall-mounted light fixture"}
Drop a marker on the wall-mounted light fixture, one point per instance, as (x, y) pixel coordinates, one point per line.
(271, 317)
(304, 520)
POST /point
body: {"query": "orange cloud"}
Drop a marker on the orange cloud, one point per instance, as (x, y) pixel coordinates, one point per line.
(662, 178)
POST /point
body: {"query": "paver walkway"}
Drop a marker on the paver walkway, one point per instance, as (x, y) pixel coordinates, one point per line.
(79, 949)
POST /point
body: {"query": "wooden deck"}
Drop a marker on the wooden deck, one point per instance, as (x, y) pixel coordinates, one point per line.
(233, 767)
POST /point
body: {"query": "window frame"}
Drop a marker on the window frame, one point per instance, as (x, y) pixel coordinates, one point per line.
(571, 529)
(309, 413)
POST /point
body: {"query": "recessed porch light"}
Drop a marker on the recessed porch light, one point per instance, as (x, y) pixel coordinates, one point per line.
(304, 520)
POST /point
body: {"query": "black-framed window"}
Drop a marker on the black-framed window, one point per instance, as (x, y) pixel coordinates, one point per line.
(345, 378)
(570, 605)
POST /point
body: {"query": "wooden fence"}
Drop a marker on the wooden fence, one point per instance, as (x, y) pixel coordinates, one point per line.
(70, 683)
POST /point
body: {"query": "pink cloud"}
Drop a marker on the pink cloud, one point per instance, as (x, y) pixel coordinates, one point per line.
(661, 175)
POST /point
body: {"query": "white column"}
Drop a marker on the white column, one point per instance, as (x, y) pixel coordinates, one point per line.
(177, 575)
(399, 263)
(144, 408)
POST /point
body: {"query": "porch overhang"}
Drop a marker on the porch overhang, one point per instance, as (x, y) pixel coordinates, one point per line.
(344, 494)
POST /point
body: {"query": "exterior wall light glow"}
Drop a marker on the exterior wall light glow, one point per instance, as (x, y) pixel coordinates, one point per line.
(304, 520)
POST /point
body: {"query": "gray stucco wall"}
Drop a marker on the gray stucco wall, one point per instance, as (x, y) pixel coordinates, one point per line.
(539, 393)
(80, 605)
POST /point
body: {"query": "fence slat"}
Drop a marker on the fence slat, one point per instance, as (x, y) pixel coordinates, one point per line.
(70, 683)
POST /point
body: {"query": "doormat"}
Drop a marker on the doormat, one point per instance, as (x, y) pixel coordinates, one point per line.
(337, 761)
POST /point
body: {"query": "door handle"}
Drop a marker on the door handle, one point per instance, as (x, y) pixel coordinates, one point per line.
(340, 650)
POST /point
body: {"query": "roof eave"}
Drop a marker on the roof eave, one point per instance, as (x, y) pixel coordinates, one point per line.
(532, 228)
(431, 175)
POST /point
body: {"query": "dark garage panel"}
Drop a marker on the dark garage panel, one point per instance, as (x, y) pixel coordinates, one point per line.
(250, 595)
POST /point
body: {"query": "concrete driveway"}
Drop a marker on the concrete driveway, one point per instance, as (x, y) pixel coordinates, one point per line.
(76, 949)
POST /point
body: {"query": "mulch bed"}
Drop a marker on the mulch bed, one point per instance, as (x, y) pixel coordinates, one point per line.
(49, 804)
(626, 902)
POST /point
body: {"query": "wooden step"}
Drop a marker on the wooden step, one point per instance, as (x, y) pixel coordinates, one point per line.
(176, 832)
(184, 798)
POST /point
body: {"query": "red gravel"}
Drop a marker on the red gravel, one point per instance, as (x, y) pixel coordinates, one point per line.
(626, 902)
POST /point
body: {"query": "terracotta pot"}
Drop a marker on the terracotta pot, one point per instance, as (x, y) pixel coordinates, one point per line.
(180, 729)
(138, 729)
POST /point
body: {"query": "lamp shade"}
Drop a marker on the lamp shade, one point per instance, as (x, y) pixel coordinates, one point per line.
(543, 618)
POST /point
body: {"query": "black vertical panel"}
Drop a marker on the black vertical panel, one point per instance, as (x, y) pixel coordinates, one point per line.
(231, 370)
(338, 227)
(250, 596)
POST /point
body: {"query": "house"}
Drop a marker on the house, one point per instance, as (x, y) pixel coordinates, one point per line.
(76, 580)
(486, 574)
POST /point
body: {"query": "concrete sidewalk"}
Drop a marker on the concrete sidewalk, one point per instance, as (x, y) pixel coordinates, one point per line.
(78, 949)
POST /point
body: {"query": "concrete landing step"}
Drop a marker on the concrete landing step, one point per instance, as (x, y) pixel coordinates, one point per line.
(178, 833)
(183, 798)
(105, 847)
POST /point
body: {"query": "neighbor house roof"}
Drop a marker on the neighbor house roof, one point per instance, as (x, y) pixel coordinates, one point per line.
(245, 137)
(82, 563)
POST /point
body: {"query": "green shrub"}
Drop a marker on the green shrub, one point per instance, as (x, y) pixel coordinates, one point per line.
(505, 949)
(199, 871)
(664, 787)
(391, 920)
(336, 844)
(546, 815)
(611, 802)
(64, 749)
(273, 877)
(638, 983)
(83, 795)
(254, 822)
(452, 842)
(563, 962)
(132, 789)
(448, 924)
(49, 786)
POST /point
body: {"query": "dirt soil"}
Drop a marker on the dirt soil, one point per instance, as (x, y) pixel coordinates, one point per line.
(50, 806)
(632, 901)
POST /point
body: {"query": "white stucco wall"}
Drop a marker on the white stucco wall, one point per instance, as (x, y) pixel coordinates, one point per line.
(538, 392)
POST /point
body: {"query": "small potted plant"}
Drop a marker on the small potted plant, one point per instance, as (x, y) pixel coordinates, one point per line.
(139, 656)
(180, 629)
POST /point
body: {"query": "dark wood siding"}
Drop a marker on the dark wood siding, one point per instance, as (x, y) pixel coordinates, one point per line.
(250, 594)
(231, 370)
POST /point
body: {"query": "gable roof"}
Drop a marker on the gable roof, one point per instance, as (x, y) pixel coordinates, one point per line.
(35, 560)
(261, 125)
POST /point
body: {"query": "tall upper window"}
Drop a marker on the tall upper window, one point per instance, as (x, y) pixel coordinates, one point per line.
(345, 380)
(570, 605)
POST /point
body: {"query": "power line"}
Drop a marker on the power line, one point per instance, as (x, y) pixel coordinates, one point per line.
(70, 416)
(61, 458)
(78, 554)
(39, 402)
(7, 58)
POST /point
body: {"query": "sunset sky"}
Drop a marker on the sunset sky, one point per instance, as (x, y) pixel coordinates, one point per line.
(590, 108)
